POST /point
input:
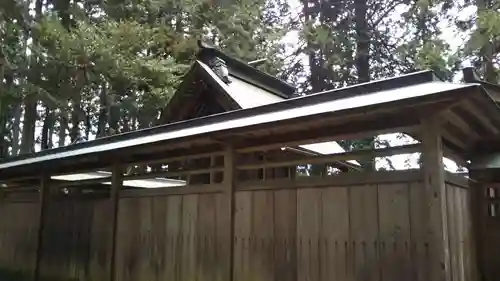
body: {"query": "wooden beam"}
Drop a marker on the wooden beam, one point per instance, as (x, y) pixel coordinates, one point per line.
(435, 194)
(345, 132)
(43, 203)
(460, 123)
(116, 185)
(352, 155)
(183, 155)
(477, 112)
(165, 174)
(457, 158)
(453, 139)
(341, 180)
(165, 191)
(229, 183)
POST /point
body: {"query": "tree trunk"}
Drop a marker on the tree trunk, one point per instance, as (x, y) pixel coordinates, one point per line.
(363, 65)
(78, 114)
(103, 112)
(47, 124)
(88, 123)
(30, 101)
(3, 108)
(30, 116)
(114, 111)
(16, 129)
(487, 53)
(362, 41)
(63, 126)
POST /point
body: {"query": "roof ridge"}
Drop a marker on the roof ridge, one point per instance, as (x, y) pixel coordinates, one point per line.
(247, 72)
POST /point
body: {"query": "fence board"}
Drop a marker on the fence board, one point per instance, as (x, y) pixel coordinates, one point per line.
(352, 232)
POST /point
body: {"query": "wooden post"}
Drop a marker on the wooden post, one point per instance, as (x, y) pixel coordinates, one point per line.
(229, 182)
(116, 185)
(435, 190)
(478, 209)
(43, 202)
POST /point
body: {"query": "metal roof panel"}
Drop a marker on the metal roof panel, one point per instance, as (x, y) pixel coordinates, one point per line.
(242, 118)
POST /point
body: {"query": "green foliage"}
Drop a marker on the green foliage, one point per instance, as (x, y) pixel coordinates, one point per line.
(100, 67)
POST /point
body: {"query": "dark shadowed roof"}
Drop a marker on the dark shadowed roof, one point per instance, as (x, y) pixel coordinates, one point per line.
(394, 102)
(470, 76)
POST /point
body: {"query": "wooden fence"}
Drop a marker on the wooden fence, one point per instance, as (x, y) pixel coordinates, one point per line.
(356, 226)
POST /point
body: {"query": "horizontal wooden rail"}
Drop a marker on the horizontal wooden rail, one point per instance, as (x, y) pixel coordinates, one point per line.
(457, 180)
(352, 155)
(332, 137)
(341, 180)
(179, 158)
(178, 190)
(164, 174)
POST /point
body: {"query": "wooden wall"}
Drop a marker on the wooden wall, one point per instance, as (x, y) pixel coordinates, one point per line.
(176, 237)
(459, 229)
(75, 240)
(18, 238)
(352, 227)
(488, 229)
(332, 233)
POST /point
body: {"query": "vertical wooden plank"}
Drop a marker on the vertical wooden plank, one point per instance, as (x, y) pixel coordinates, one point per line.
(394, 225)
(363, 208)
(242, 233)
(224, 237)
(419, 237)
(144, 210)
(308, 230)
(43, 201)
(174, 216)
(189, 222)
(285, 234)
(335, 234)
(452, 231)
(263, 229)
(460, 195)
(99, 233)
(230, 173)
(434, 183)
(206, 232)
(158, 228)
(116, 185)
(476, 209)
(123, 243)
(159, 260)
(469, 253)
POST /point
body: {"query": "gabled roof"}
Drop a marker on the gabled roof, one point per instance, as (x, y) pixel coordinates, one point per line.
(371, 106)
(249, 87)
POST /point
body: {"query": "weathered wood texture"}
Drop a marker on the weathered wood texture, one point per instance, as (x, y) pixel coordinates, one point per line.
(331, 233)
(76, 238)
(462, 254)
(18, 237)
(348, 229)
(487, 202)
(178, 237)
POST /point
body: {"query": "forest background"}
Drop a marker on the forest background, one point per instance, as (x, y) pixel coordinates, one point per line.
(75, 70)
